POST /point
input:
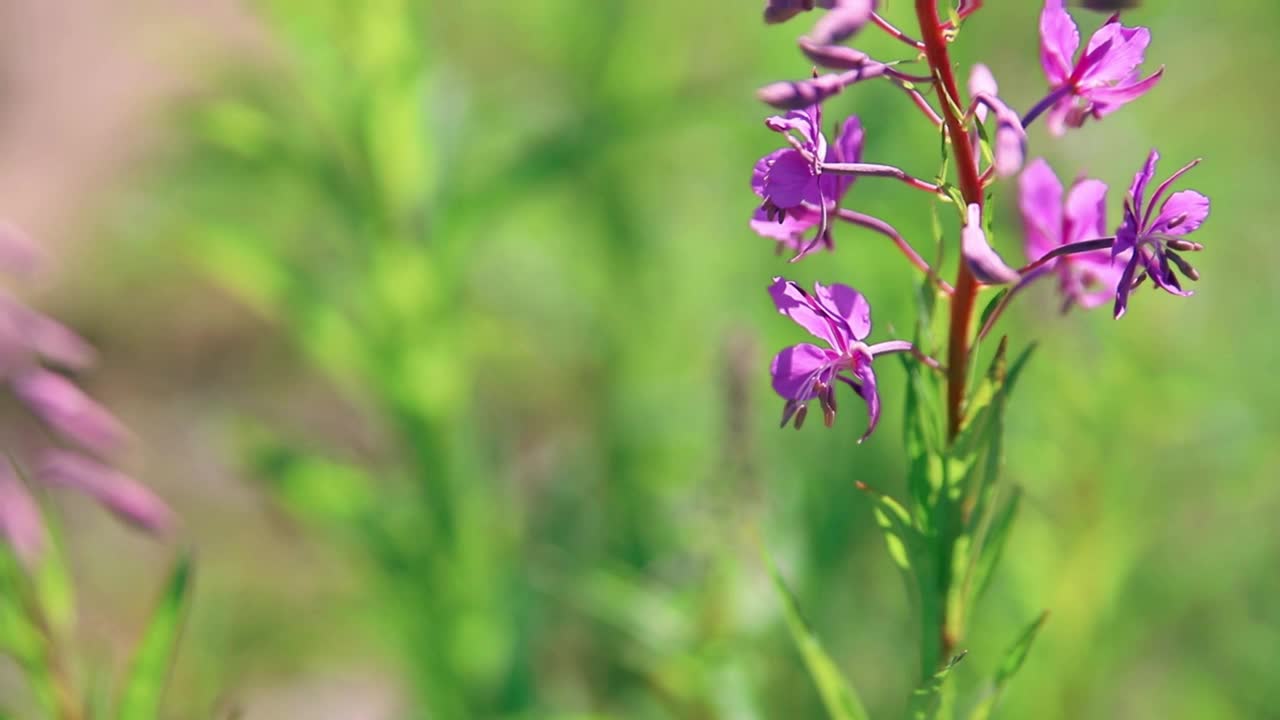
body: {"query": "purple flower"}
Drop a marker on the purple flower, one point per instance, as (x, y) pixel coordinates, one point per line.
(983, 261)
(841, 317)
(127, 498)
(1086, 279)
(1010, 141)
(846, 17)
(29, 342)
(793, 190)
(1155, 241)
(1104, 77)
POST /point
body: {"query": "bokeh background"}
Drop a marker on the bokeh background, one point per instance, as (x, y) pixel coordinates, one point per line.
(441, 326)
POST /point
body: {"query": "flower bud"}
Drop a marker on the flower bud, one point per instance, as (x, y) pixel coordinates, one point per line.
(836, 57)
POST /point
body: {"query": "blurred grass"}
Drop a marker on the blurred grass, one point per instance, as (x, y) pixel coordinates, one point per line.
(514, 237)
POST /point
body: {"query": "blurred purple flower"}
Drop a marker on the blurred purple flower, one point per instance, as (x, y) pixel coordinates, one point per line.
(127, 498)
(841, 317)
(793, 192)
(1100, 81)
(1086, 279)
(846, 17)
(1010, 140)
(28, 342)
(981, 258)
(1155, 241)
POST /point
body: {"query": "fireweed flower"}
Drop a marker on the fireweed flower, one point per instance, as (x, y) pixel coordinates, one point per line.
(1154, 242)
(1086, 279)
(1100, 81)
(981, 258)
(1010, 146)
(29, 344)
(794, 192)
(841, 317)
(845, 18)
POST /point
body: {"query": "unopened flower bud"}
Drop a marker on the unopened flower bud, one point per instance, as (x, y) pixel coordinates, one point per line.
(797, 95)
(836, 57)
(1182, 245)
(1185, 267)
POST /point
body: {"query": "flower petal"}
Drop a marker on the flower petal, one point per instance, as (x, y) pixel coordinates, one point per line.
(1184, 212)
(1086, 211)
(790, 181)
(1138, 189)
(867, 389)
(842, 22)
(1124, 287)
(761, 170)
(790, 231)
(1127, 48)
(69, 411)
(1040, 201)
(1109, 99)
(982, 260)
(1059, 40)
(846, 304)
(125, 497)
(981, 81)
(792, 301)
(795, 369)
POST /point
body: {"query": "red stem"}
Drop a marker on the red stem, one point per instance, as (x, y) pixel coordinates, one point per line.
(970, 181)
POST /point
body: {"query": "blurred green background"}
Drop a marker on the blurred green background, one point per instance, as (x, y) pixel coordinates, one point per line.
(441, 326)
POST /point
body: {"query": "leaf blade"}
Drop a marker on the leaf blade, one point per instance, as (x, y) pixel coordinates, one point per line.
(143, 689)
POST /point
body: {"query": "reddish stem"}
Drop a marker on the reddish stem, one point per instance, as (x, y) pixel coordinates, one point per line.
(933, 34)
(970, 181)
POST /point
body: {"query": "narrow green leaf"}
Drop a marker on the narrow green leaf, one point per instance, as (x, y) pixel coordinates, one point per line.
(901, 536)
(1014, 657)
(991, 306)
(149, 674)
(839, 697)
(926, 698)
(992, 544)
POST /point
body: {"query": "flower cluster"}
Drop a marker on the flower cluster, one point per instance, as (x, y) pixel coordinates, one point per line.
(802, 187)
(74, 439)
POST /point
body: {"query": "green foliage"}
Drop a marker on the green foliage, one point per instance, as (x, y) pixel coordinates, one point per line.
(153, 659)
(1009, 666)
(927, 699)
(839, 697)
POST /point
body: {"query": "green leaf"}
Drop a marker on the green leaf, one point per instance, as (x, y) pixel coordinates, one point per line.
(901, 536)
(1014, 657)
(992, 544)
(926, 699)
(839, 697)
(149, 674)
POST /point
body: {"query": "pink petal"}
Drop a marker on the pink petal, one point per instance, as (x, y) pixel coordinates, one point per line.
(846, 304)
(69, 411)
(1184, 212)
(125, 497)
(1126, 52)
(1059, 40)
(1086, 211)
(796, 368)
(790, 181)
(796, 304)
(1040, 200)
(983, 261)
